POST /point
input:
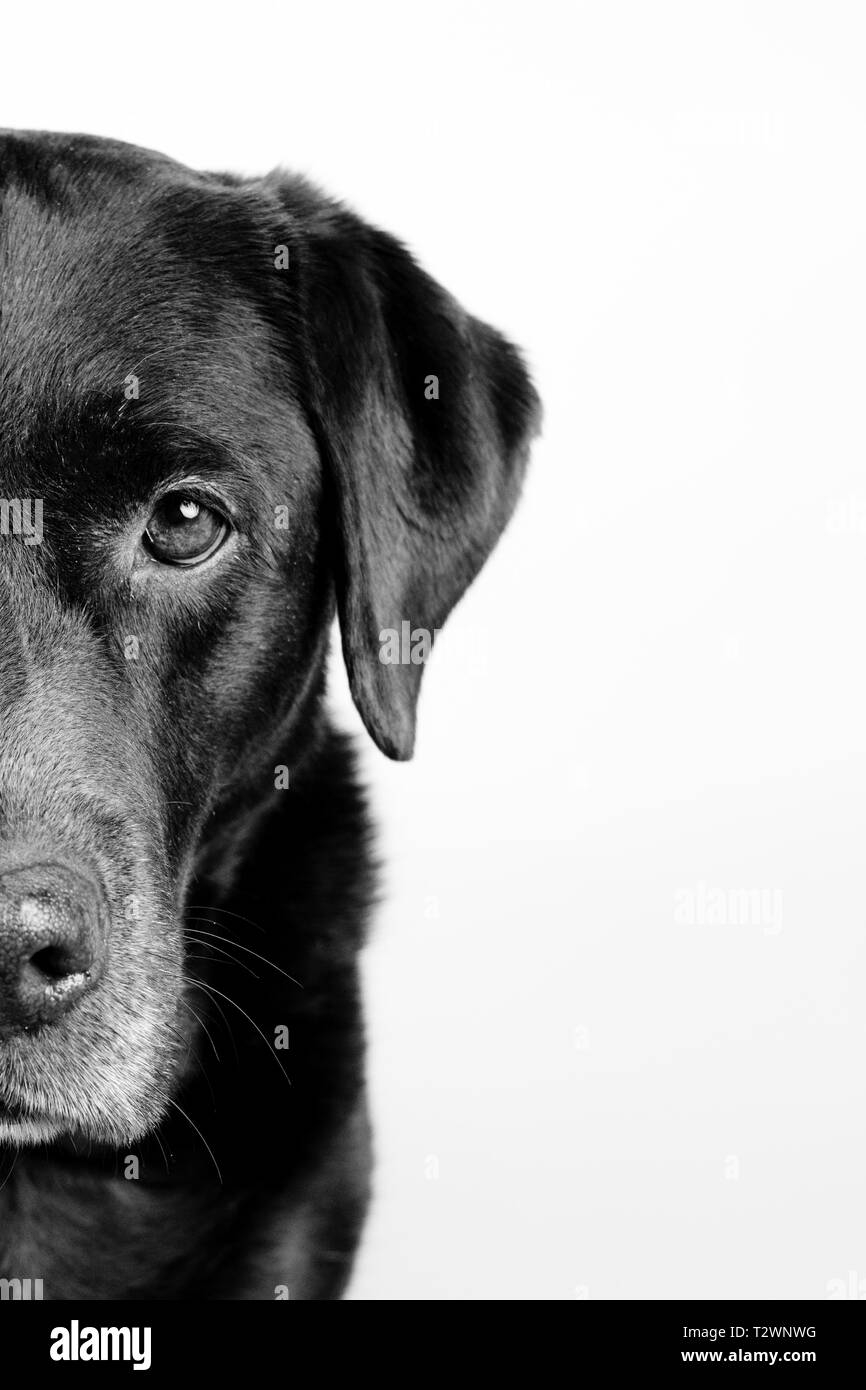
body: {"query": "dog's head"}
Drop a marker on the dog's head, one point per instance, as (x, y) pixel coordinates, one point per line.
(223, 405)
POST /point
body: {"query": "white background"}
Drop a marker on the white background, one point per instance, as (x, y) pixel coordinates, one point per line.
(658, 686)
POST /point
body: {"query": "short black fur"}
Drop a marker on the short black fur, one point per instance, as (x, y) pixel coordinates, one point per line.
(156, 1141)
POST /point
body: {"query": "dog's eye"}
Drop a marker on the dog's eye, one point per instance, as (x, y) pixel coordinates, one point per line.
(183, 531)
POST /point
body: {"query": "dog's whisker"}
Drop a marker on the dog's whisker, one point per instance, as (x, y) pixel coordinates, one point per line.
(195, 936)
(200, 1021)
(251, 1021)
(187, 1044)
(11, 1167)
(240, 947)
(198, 983)
(199, 1062)
(200, 1135)
(224, 912)
(207, 947)
(163, 1152)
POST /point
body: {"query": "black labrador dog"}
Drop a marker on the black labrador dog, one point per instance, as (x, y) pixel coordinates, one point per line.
(227, 406)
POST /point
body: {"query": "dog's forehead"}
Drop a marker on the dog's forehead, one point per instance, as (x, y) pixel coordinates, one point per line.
(124, 275)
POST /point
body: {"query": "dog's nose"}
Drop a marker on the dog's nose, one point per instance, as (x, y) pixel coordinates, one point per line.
(52, 944)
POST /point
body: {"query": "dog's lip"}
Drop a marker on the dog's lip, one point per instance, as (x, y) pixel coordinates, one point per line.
(14, 1113)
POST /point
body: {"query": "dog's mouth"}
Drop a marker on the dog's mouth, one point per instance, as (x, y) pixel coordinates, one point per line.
(20, 1125)
(12, 1112)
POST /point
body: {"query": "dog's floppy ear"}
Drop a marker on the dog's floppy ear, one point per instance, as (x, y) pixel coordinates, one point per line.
(425, 416)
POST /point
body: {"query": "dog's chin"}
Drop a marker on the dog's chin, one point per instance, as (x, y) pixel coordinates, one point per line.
(90, 1097)
(28, 1130)
(24, 1127)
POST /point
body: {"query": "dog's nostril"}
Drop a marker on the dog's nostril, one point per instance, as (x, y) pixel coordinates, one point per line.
(52, 944)
(55, 961)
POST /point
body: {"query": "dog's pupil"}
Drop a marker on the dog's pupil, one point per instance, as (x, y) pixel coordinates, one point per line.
(183, 530)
